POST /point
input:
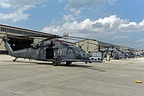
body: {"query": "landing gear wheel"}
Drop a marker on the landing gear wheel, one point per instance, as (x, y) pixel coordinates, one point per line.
(56, 62)
(68, 63)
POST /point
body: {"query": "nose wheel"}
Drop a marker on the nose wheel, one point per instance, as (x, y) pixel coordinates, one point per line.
(55, 63)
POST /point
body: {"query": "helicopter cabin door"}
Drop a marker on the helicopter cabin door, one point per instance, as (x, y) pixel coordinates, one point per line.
(49, 53)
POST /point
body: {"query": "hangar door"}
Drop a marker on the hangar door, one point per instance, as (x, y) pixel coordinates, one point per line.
(20, 43)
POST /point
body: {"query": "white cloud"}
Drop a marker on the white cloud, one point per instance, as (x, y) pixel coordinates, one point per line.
(141, 26)
(141, 23)
(18, 3)
(128, 27)
(69, 17)
(75, 7)
(53, 29)
(109, 26)
(72, 15)
(17, 9)
(5, 5)
(17, 15)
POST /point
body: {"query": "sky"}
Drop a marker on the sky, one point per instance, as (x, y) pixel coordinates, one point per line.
(118, 22)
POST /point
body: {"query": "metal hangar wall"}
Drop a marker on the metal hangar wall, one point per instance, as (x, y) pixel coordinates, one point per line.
(92, 45)
(19, 37)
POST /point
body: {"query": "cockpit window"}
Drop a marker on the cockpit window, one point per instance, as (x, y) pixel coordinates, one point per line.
(78, 50)
(81, 50)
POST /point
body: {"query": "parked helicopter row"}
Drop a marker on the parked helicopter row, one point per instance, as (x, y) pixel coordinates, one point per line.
(113, 54)
(56, 51)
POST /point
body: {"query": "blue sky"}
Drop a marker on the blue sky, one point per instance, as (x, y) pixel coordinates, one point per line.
(115, 21)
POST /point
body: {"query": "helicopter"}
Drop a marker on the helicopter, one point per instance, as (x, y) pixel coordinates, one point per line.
(50, 49)
(116, 53)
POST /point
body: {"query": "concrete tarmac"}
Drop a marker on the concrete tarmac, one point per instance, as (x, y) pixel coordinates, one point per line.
(38, 78)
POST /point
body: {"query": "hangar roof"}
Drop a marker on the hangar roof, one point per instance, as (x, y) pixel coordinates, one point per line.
(100, 43)
(16, 31)
(104, 44)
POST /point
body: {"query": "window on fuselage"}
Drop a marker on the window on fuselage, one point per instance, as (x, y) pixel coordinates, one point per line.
(69, 51)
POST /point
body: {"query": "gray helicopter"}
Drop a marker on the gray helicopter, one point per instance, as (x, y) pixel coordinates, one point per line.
(50, 49)
(116, 53)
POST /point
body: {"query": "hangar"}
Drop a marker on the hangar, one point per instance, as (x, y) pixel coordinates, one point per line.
(19, 37)
(91, 45)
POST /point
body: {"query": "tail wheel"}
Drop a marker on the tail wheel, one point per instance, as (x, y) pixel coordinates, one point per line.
(68, 63)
